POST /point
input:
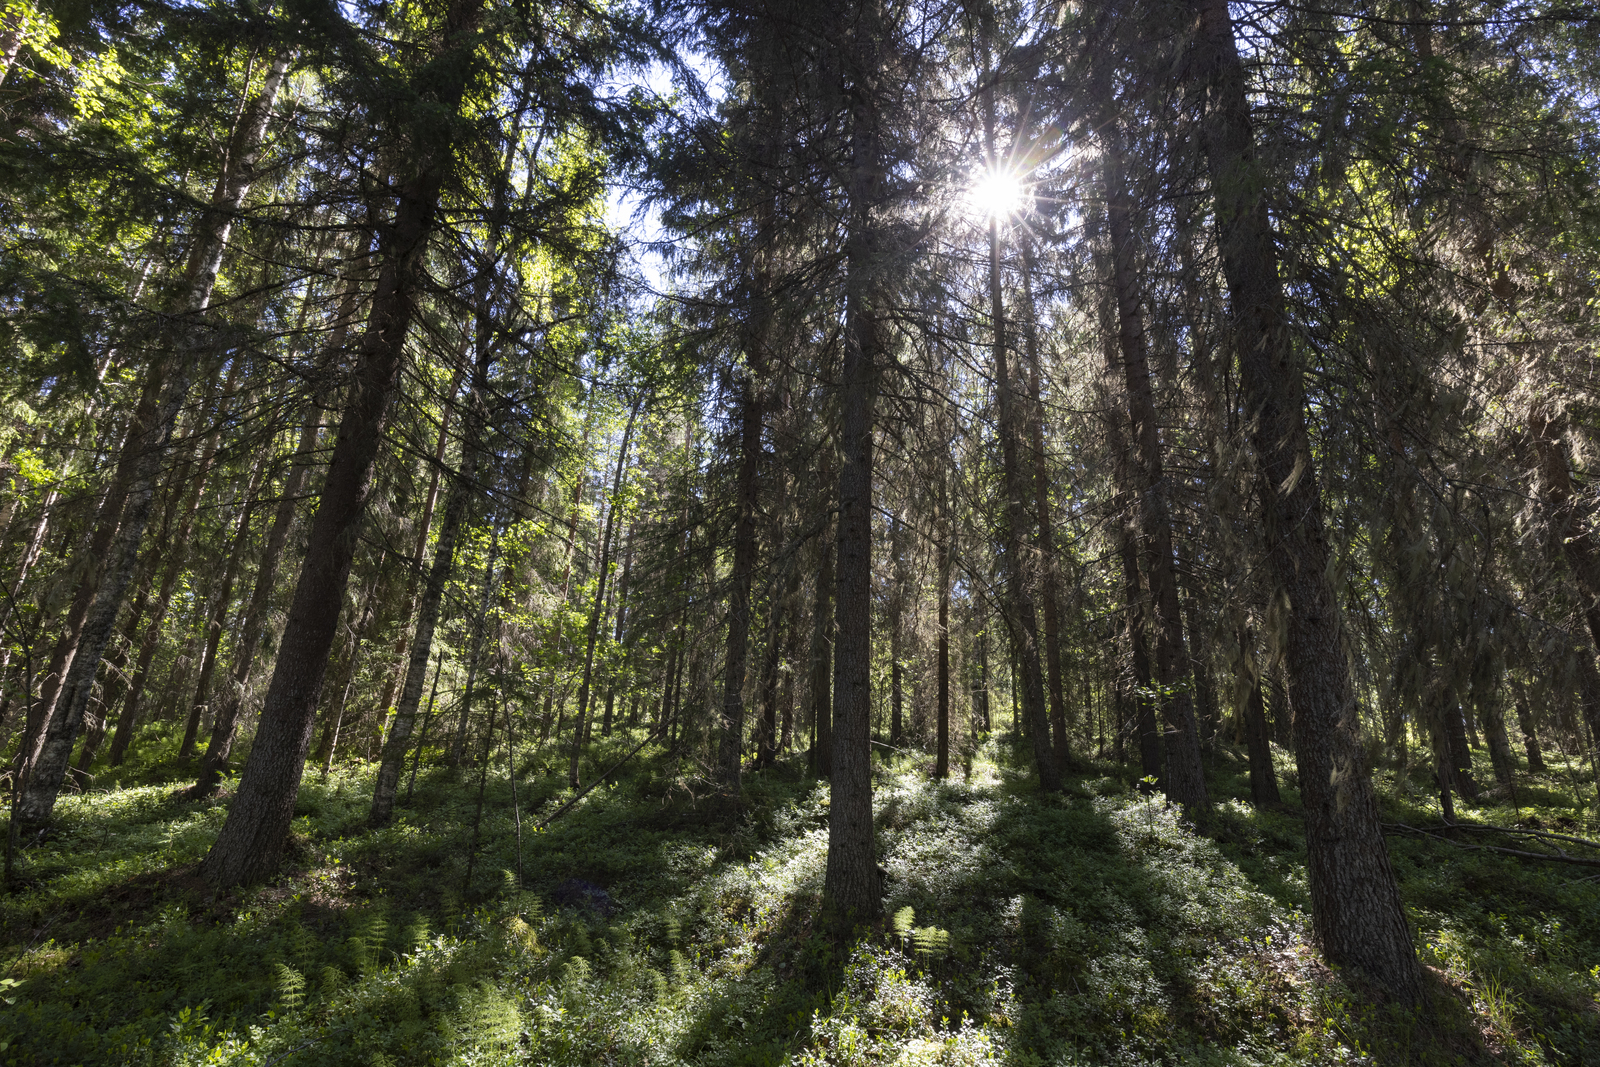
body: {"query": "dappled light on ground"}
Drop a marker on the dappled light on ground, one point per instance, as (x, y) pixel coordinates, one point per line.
(1090, 928)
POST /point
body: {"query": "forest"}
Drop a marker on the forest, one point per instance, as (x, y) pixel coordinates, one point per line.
(798, 532)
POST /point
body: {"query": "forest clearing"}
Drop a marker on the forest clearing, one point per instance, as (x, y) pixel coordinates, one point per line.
(782, 532)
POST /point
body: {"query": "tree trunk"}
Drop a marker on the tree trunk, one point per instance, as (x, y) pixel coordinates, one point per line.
(821, 685)
(1494, 729)
(252, 838)
(1355, 901)
(218, 615)
(746, 499)
(1263, 777)
(458, 498)
(851, 887)
(1049, 564)
(941, 762)
(1185, 778)
(224, 725)
(1150, 761)
(146, 447)
(419, 554)
(896, 605)
(1022, 619)
(1460, 755)
(1530, 739)
(328, 743)
(598, 610)
(173, 547)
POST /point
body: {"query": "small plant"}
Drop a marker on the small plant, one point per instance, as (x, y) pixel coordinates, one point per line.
(291, 987)
(925, 941)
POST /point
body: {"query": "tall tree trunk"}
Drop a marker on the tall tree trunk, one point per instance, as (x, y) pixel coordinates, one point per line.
(457, 501)
(419, 554)
(1150, 761)
(941, 761)
(1494, 729)
(851, 886)
(1022, 618)
(597, 611)
(224, 726)
(747, 490)
(1355, 901)
(1185, 779)
(821, 685)
(1460, 754)
(218, 615)
(1570, 528)
(1049, 563)
(251, 841)
(174, 551)
(1263, 777)
(333, 720)
(146, 447)
(897, 595)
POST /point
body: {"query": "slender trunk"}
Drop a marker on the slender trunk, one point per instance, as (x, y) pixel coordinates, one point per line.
(1021, 616)
(1494, 729)
(251, 841)
(328, 744)
(1150, 761)
(897, 594)
(767, 735)
(458, 499)
(597, 610)
(619, 636)
(791, 657)
(1444, 774)
(941, 764)
(1049, 584)
(419, 554)
(982, 695)
(427, 720)
(1355, 900)
(745, 548)
(1263, 778)
(1185, 779)
(252, 625)
(822, 634)
(218, 615)
(173, 545)
(1460, 755)
(1530, 739)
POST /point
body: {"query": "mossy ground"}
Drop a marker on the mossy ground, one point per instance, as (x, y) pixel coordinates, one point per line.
(1089, 928)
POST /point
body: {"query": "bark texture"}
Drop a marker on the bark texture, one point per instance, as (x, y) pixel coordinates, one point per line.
(251, 841)
(1355, 902)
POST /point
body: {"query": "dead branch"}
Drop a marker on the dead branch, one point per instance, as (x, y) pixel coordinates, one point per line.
(1559, 856)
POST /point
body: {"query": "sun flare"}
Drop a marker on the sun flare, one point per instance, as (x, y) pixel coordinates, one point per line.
(997, 194)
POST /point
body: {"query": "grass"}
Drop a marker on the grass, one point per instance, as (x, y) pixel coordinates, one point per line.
(1089, 928)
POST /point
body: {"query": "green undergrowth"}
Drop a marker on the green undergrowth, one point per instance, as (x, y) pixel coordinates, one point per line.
(1089, 928)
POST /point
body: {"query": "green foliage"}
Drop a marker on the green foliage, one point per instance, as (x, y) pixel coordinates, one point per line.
(1094, 928)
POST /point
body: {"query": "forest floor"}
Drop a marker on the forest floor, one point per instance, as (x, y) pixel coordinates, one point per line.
(655, 924)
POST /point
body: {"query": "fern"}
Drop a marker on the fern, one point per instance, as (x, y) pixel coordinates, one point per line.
(930, 940)
(925, 941)
(291, 987)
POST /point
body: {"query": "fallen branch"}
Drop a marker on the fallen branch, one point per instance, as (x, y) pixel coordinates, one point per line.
(1559, 856)
(563, 809)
